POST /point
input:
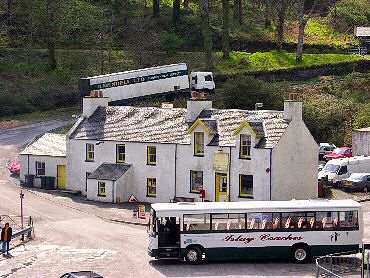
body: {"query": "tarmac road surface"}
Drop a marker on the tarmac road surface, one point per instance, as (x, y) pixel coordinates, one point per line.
(69, 240)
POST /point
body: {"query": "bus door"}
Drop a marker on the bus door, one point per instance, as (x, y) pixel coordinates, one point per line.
(169, 237)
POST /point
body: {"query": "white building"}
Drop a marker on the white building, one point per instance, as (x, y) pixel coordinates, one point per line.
(361, 141)
(158, 154)
(45, 159)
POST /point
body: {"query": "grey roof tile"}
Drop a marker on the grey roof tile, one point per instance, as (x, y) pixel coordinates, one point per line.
(157, 125)
(109, 171)
(49, 144)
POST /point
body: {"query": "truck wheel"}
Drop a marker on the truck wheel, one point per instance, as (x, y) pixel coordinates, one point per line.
(193, 255)
(300, 254)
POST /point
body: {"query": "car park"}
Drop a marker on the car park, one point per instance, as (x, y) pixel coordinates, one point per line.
(357, 182)
(336, 170)
(341, 152)
(325, 148)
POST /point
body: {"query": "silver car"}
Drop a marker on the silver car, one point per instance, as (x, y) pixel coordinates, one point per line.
(357, 182)
(325, 148)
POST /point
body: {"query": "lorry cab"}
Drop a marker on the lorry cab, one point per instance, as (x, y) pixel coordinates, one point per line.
(200, 81)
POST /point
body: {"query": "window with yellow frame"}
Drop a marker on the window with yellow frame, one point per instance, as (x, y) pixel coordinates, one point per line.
(90, 152)
(199, 143)
(151, 158)
(101, 189)
(245, 146)
(151, 187)
(120, 153)
(246, 186)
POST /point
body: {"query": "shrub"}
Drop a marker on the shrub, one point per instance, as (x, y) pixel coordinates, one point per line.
(347, 14)
(244, 92)
(171, 42)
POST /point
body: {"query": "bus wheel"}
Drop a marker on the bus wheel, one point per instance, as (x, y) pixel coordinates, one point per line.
(300, 254)
(193, 255)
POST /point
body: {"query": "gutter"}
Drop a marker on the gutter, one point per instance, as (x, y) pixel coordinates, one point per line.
(113, 192)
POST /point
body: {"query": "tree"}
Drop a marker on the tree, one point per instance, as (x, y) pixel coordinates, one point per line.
(268, 14)
(51, 35)
(226, 29)
(305, 11)
(176, 12)
(238, 11)
(156, 8)
(282, 8)
(207, 35)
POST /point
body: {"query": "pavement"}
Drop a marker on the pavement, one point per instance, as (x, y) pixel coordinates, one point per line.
(73, 234)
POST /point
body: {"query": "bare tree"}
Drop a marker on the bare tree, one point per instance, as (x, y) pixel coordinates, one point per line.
(207, 35)
(156, 7)
(51, 35)
(226, 28)
(238, 11)
(176, 12)
(303, 17)
(282, 9)
(267, 13)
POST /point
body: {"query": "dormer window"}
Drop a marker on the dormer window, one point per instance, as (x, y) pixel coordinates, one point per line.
(245, 146)
(199, 143)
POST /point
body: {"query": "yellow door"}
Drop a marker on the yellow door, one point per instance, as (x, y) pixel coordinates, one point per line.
(61, 169)
(221, 188)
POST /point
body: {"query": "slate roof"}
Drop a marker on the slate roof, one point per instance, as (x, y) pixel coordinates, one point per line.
(158, 125)
(49, 144)
(109, 171)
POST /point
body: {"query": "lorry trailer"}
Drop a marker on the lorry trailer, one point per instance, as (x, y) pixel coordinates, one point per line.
(144, 83)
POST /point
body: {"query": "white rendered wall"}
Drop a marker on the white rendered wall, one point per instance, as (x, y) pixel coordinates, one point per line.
(28, 166)
(294, 170)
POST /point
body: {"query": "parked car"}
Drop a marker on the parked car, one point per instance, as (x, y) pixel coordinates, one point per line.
(339, 153)
(15, 168)
(337, 170)
(357, 182)
(81, 274)
(320, 167)
(325, 148)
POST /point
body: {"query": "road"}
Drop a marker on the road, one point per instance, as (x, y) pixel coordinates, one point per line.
(70, 240)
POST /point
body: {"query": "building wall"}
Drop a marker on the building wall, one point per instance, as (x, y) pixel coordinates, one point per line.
(294, 164)
(136, 154)
(28, 166)
(92, 193)
(361, 142)
(186, 161)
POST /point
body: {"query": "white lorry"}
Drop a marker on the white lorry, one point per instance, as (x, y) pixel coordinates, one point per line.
(338, 169)
(134, 84)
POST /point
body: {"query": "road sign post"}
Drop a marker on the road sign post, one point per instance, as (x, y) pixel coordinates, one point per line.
(21, 196)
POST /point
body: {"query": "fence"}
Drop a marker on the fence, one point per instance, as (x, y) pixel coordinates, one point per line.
(358, 50)
(336, 265)
(15, 223)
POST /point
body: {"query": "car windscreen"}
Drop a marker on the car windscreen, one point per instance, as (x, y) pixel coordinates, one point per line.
(331, 168)
(339, 151)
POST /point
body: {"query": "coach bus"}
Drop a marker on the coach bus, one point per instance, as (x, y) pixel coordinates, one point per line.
(297, 229)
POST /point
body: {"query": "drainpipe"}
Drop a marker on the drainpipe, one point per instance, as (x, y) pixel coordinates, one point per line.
(113, 192)
(229, 172)
(28, 164)
(175, 170)
(270, 174)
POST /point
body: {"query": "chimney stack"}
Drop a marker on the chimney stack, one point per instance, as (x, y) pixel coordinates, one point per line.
(196, 105)
(293, 107)
(92, 102)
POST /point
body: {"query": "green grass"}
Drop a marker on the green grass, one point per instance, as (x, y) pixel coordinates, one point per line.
(44, 115)
(241, 62)
(318, 31)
